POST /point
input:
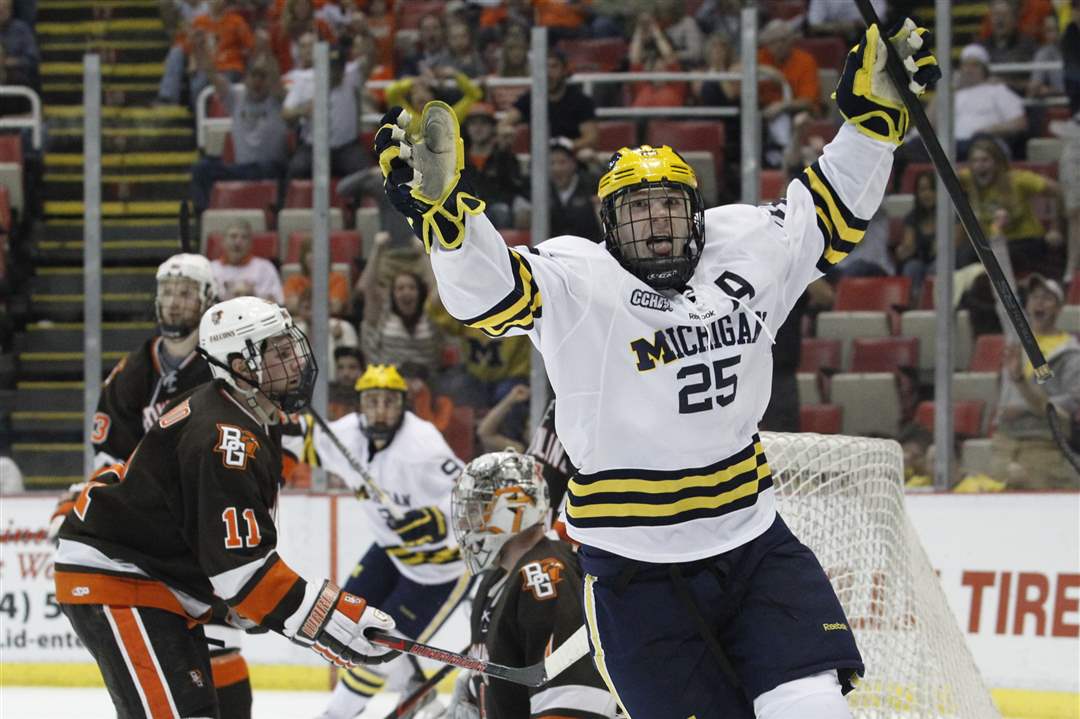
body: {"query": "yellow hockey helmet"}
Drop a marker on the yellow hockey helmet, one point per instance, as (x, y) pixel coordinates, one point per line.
(657, 170)
(381, 376)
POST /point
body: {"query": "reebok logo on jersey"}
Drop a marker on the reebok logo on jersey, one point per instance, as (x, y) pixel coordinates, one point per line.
(834, 627)
(542, 577)
(80, 591)
(235, 446)
(650, 300)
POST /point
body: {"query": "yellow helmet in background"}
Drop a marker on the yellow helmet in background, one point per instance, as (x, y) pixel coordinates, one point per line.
(381, 376)
(647, 168)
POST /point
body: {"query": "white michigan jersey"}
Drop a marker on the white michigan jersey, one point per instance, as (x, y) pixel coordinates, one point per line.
(659, 394)
(417, 469)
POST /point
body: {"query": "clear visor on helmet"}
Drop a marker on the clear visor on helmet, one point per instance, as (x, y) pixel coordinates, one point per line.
(179, 306)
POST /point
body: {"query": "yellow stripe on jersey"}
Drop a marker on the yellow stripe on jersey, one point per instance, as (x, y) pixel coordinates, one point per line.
(622, 498)
(594, 637)
(518, 309)
(446, 555)
(841, 230)
(362, 681)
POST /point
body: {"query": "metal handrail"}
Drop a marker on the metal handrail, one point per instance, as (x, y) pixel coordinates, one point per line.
(202, 121)
(1018, 67)
(33, 122)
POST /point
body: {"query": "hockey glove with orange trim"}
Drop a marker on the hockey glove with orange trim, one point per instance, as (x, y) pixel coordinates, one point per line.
(423, 174)
(426, 525)
(334, 628)
(865, 94)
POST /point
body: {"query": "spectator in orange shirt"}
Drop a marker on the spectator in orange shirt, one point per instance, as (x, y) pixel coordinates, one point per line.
(297, 284)
(1029, 18)
(800, 70)
(564, 19)
(220, 34)
(651, 51)
(506, 13)
(297, 18)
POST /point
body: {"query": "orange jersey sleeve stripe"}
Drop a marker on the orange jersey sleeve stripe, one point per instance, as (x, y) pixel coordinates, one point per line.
(145, 669)
(228, 669)
(268, 592)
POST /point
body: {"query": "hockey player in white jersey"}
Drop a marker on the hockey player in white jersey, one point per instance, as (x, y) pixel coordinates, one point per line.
(414, 565)
(699, 600)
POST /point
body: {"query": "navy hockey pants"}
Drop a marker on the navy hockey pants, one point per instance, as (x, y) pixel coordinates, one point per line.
(767, 608)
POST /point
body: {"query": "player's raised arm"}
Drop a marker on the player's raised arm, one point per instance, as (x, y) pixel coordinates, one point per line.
(830, 203)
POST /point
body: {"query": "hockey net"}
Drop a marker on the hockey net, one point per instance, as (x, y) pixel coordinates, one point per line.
(844, 498)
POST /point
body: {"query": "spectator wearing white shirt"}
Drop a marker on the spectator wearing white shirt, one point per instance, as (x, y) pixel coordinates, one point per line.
(347, 155)
(238, 273)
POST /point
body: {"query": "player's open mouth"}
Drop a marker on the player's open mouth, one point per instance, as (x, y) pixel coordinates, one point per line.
(659, 246)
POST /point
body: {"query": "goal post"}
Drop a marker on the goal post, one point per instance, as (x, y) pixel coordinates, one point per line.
(844, 498)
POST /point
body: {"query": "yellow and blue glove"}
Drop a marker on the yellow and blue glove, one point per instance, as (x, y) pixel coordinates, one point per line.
(865, 94)
(423, 174)
(426, 525)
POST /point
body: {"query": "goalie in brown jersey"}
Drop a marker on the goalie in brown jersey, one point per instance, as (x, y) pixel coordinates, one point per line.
(185, 530)
(529, 600)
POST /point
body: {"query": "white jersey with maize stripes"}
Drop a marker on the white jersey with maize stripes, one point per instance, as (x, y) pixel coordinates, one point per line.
(417, 469)
(659, 394)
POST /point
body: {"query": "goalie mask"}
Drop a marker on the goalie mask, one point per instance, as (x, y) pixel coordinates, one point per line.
(276, 353)
(652, 214)
(381, 391)
(185, 289)
(497, 496)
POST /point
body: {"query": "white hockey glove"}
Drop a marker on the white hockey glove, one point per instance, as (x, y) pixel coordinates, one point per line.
(463, 702)
(865, 94)
(423, 174)
(334, 627)
(60, 512)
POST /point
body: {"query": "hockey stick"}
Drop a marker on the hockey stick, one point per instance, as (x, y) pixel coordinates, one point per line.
(534, 675)
(374, 491)
(413, 700)
(895, 67)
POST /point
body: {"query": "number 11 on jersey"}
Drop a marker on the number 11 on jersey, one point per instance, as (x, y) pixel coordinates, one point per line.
(232, 529)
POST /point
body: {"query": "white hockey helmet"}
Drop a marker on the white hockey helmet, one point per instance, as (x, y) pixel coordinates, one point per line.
(497, 496)
(193, 268)
(245, 327)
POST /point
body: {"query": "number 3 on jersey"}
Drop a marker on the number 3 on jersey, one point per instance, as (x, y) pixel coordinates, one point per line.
(704, 378)
(232, 529)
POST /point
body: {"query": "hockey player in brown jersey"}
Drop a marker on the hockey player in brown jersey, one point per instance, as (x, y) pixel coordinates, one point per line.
(186, 530)
(529, 600)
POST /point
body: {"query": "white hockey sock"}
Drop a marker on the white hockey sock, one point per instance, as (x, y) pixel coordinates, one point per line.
(814, 697)
(351, 694)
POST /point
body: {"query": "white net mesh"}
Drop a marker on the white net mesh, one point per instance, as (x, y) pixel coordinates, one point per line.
(843, 497)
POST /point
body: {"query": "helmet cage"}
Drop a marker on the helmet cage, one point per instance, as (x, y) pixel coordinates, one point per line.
(658, 272)
(380, 432)
(498, 496)
(295, 369)
(189, 268)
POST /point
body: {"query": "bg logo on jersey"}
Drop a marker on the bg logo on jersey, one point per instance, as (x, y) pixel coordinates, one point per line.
(541, 578)
(235, 446)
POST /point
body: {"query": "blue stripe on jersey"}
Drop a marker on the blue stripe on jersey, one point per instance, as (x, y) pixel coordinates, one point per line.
(839, 227)
(638, 497)
(518, 309)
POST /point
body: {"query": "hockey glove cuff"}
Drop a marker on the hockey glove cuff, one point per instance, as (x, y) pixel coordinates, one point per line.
(334, 628)
(865, 94)
(423, 174)
(426, 525)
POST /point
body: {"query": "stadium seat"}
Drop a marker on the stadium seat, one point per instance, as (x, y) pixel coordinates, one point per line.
(818, 353)
(983, 386)
(977, 455)
(219, 220)
(846, 326)
(884, 354)
(1069, 320)
(828, 51)
(615, 134)
(515, 238)
(11, 177)
(345, 246)
(987, 354)
(1044, 149)
(825, 129)
(828, 79)
(521, 142)
(926, 294)
(300, 193)
(600, 55)
(870, 402)
(883, 294)
(911, 172)
(809, 388)
(773, 185)
(923, 324)
(11, 148)
(460, 434)
(5, 210)
(1047, 169)
(898, 205)
(690, 135)
(263, 244)
(1073, 298)
(784, 9)
(967, 416)
(367, 222)
(704, 167)
(302, 219)
(411, 12)
(246, 195)
(821, 418)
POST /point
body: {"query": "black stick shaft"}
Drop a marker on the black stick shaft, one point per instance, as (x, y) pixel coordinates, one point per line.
(895, 67)
(533, 676)
(373, 489)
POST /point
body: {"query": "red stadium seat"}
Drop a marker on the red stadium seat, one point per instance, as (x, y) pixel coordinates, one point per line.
(5, 210)
(1074, 292)
(521, 142)
(515, 238)
(872, 294)
(884, 354)
(967, 416)
(820, 354)
(773, 185)
(228, 150)
(345, 246)
(826, 129)
(690, 135)
(821, 418)
(413, 11)
(460, 433)
(215, 107)
(988, 353)
(926, 294)
(1046, 169)
(828, 51)
(615, 134)
(602, 55)
(911, 172)
(784, 9)
(11, 148)
(263, 244)
(246, 195)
